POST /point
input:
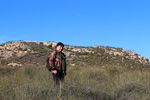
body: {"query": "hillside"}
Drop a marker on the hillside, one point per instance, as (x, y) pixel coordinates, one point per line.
(19, 53)
(93, 73)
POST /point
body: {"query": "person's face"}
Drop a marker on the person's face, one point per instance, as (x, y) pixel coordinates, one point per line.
(59, 48)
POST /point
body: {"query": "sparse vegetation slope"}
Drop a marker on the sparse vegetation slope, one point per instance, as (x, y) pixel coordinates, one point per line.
(93, 73)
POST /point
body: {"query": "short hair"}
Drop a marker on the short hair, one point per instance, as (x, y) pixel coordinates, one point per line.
(60, 43)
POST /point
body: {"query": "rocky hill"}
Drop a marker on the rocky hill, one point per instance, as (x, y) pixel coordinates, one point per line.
(19, 53)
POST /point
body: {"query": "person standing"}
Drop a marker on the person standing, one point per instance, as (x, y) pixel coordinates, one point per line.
(57, 61)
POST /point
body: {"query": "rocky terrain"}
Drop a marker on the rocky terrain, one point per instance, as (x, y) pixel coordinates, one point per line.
(18, 53)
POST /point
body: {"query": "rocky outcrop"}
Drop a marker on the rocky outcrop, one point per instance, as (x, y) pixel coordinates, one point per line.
(120, 52)
(15, 49)
(128, 54)
(52, 44)
(20, 48)
(14, 64)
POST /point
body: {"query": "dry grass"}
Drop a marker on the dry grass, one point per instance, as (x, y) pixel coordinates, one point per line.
(81, 83)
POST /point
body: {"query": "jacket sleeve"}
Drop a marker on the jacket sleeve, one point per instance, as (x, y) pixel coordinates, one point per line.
(64, 65)
(52, 60)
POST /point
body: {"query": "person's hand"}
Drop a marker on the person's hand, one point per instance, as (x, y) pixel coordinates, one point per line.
(55, 71)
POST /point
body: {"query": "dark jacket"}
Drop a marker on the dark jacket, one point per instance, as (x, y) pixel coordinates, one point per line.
(58, 61)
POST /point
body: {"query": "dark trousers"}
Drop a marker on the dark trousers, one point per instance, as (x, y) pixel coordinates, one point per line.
(58, 77)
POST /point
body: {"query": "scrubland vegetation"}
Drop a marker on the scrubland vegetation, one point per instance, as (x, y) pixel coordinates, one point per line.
(93, 73)
(81, 83)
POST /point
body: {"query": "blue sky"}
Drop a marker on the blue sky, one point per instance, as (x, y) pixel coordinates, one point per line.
(116, 23)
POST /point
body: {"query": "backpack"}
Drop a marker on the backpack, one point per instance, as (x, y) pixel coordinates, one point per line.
(47, 65)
